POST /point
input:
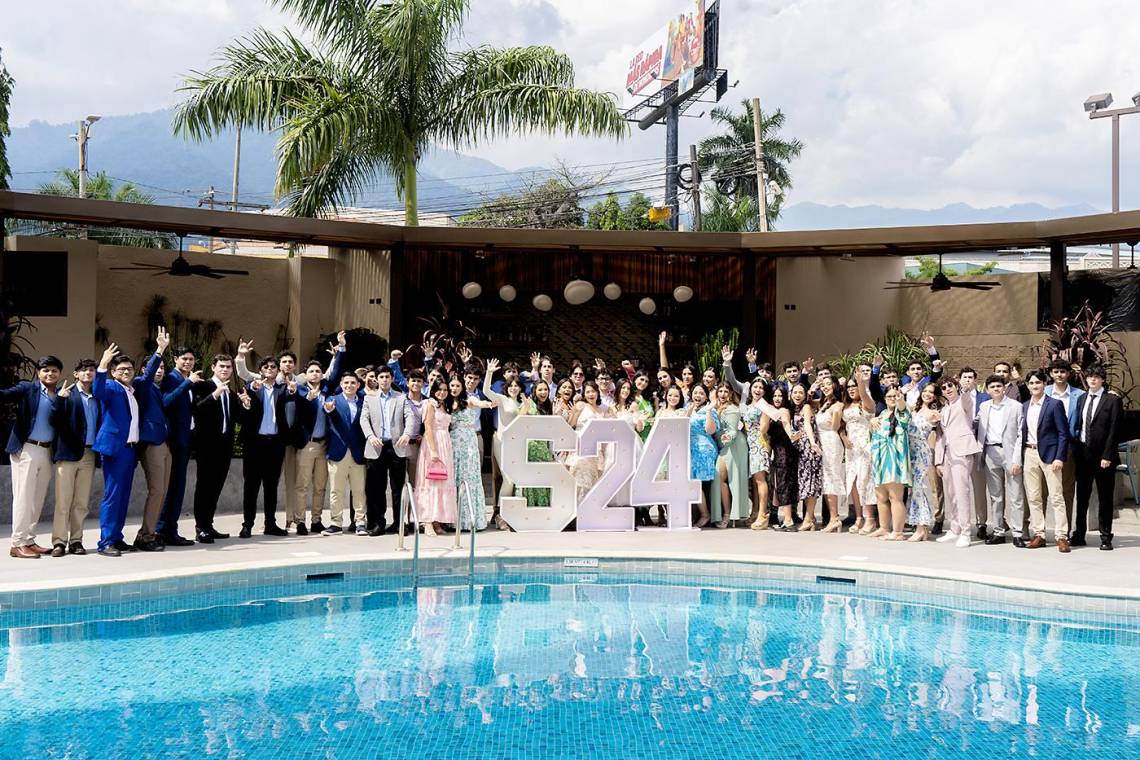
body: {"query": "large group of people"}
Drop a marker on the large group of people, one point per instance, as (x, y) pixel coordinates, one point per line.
(879, 454)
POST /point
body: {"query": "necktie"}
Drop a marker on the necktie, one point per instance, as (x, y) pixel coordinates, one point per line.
(1089, 415)
(225, 412)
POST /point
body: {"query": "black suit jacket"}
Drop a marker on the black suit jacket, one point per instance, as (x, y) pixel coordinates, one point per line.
(208, 416)
(69, 418)
(1104, 430)
(251, 418)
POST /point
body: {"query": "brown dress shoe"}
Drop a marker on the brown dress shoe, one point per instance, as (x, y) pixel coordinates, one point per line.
(39, 549)
(23, 552)
(1038, 542)
(1063, 546)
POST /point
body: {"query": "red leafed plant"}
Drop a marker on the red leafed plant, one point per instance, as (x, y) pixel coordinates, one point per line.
(1085, 339)
(445, 339)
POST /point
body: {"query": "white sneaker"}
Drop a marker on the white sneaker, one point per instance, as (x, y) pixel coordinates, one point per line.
(946, 538)
(963, 541)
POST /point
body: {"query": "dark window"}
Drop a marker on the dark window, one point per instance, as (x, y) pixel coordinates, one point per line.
(36, 282)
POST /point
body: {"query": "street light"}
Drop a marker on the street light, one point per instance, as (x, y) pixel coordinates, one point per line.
(1097, 108)
(81, 137)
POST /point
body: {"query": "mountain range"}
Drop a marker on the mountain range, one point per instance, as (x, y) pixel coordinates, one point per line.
(141, 148)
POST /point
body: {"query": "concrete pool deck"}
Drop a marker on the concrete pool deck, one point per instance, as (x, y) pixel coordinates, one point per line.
(1086, 571)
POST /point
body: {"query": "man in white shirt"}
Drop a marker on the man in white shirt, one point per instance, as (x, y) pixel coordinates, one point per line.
(116, 440)
(1070, 396)
(1046, 443)
(999, 430)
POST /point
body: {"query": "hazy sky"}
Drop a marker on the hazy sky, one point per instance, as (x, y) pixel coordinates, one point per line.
(914, 103)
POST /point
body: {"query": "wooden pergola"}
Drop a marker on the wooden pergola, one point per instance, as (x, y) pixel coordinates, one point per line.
(751, 247)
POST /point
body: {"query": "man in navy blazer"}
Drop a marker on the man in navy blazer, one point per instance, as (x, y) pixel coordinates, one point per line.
(116, 441)
(153, 452)
(76, 420)
(1070, 396)
(180, 423)
(29, 446)
(346, 455)
(310, 439)
(1045, 436)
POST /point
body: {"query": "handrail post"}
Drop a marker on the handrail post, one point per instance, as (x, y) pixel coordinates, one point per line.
(471, 517)
(408, 501)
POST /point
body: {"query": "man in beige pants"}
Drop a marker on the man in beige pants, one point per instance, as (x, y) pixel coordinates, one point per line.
(76, 419)
(309, 439)
(30, 446)
(1046, 446)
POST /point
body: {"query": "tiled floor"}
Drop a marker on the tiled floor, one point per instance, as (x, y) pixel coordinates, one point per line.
(1085, 570)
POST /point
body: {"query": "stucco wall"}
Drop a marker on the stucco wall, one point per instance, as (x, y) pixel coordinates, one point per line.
(359, 277)
(839, 304)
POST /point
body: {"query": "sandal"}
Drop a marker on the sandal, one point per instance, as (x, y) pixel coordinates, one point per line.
(808, 527)
(832, 527)
(869, 527)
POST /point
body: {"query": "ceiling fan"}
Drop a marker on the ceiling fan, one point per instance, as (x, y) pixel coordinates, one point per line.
(941, 282)
(180, 267)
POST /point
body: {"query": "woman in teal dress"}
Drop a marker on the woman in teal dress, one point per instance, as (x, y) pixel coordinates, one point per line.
(890, 462)
(538, 451)
(464, 411)
(731, 488)
(703, 427)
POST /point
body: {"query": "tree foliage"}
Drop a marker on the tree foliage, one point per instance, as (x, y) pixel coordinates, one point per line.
(928, 267)
(380, 83)
(728, 159)
(6, 85)
(553, 204)
(99, 187)
(610, 214)
(730, 214)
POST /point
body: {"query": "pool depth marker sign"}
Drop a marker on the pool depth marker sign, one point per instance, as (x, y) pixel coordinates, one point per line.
(668, 440)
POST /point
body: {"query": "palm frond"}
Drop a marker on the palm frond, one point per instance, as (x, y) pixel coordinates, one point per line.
(515, 108)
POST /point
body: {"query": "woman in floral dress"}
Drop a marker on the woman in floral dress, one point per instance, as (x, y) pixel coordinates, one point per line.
(810, 466)
(538, 451)
(464, 411)
(923, 424)
(890, 462)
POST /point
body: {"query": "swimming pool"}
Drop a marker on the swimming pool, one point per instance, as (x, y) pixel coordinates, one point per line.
(693, 663)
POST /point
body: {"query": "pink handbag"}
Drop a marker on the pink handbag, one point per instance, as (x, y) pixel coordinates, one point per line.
(436, 471)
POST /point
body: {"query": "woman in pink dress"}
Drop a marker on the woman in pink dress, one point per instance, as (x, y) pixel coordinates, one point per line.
(435, 499)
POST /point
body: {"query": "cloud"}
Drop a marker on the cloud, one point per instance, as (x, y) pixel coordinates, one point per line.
(913, 103)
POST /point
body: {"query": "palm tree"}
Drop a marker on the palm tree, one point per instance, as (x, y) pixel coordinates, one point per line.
(731, 214)
(6, 84)
(100, 187)
(728, 159)
(380, 84)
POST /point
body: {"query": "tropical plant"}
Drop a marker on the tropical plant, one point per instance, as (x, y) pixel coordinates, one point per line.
(6, 85)
(204, 337)
(446, 338)
(728, 159)
(708, 348)
(928, 267)
(897, 349)
(610, 214)
(100, 187)
(1085, 339)
(728, 214)
(363, 348)
(381, 83)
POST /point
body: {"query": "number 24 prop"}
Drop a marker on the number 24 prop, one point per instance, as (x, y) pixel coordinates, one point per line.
(666, 451)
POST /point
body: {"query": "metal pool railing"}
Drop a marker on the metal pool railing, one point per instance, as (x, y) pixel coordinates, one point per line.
(471, 520)
(408, 501)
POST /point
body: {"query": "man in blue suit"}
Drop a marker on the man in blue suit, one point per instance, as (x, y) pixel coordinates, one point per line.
(30, 446)
(116, 441)
(346, 455)
(76, 420)
(153, 451)
(1045, 435)
(180, 423)
(1070, 396)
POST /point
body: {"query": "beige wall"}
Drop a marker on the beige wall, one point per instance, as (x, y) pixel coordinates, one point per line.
(72, 337)
(254, 306)
(840, 304)
(360, 276)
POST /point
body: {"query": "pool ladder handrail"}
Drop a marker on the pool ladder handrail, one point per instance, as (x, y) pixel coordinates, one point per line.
(408, 501)
(471, 518)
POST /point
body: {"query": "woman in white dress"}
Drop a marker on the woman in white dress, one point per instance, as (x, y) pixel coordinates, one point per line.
(511, 403)
(858, 409)
(828, 420)
(587, 470)
(627, 407)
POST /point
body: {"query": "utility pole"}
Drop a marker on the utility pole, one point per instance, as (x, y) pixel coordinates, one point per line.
(672, 119)
(696, 179)
(761, 190)
(237, 171)
(81, 137)
(208, 200)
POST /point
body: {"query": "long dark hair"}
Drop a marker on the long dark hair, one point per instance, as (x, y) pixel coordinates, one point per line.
(439, 383)
(631, 401)
(543, 407)
(455, 403)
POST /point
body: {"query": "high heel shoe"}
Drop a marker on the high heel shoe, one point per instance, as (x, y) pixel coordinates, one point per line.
(808, 527)
(878, 533)
(701, 522)
(920, 534)
(857, 527)
(869, 527)
(833, 527)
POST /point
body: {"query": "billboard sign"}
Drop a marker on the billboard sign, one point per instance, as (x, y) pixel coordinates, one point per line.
(674, 52)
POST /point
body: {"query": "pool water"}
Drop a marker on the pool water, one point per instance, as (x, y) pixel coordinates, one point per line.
(621, 668)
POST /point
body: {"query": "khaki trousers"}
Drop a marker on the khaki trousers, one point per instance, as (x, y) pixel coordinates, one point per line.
(72, 498)
(344, 476)
(289, 473)
(1041, 481)
(410, 461)
(156, 463)
(31, 474)
(937, 497)
(312, 467)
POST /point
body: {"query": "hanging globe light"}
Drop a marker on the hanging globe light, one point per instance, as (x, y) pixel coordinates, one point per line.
(682, 293)
(472, 290)
(647, 305)
(543, 302)
(507, 293)
(577, 292)
(612, 291)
